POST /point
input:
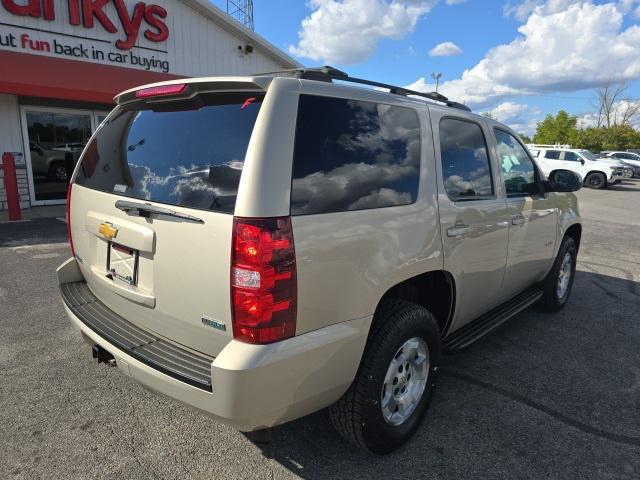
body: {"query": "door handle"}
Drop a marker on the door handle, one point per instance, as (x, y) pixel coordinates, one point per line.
(457, 231)
(517, 220)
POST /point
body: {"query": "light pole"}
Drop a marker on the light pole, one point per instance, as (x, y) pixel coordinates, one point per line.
(436, 77)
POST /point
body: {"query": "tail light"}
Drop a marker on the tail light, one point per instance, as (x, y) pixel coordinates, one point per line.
(263, 280)
(68, 218)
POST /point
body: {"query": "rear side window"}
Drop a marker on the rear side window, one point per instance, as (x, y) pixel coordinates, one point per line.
(187, 154)
(353, 155)
(552, 154)
(465, 160)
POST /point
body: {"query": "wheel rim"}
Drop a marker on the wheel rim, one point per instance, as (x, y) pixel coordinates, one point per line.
(564, 275)
(405, 381)
(595, 180)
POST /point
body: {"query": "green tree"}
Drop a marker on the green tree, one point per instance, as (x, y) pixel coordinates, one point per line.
(616, 137)
(559, 129)
(525, 138)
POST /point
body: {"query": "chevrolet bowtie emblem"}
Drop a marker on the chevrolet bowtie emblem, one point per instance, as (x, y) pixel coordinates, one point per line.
(108, 231)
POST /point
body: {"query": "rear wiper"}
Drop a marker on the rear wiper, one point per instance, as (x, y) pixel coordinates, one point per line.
(146, 209)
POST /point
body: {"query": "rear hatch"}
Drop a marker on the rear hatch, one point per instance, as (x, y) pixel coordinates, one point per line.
(152, 212)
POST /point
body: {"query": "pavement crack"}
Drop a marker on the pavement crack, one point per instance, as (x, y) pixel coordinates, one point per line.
(572, 422)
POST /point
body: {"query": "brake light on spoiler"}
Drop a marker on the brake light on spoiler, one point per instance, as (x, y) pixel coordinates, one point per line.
(173, 89)
(263, 280)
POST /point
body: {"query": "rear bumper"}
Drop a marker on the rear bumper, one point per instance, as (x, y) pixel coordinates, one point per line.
(252, 386)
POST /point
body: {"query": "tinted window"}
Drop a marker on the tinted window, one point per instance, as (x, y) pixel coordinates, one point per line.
(465, 160)
(352, 155)
(571, 156)
(552, 154)
(518, 170)
(186, 154)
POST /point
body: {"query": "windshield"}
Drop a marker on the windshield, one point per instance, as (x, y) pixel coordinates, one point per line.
(189, 155)
(588, 155)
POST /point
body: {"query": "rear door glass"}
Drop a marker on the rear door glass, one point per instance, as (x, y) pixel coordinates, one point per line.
(466, 171)
(354, 155)
(189, 155)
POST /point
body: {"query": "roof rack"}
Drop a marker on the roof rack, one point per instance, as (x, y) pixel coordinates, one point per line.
(328, 74)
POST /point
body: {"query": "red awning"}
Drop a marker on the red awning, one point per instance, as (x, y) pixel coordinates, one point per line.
(60, 78)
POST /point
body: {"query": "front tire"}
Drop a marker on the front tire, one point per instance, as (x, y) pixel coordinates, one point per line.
(596, 180)
(392, 390)
(558, 284)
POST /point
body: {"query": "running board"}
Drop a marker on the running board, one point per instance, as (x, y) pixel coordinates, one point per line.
(490, 320)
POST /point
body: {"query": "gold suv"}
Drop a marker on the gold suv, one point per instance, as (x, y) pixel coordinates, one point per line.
(264, 247)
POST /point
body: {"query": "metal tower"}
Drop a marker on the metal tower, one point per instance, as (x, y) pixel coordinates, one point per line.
(242, 11)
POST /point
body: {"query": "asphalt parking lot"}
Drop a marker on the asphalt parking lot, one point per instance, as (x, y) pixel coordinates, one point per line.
(544, 396)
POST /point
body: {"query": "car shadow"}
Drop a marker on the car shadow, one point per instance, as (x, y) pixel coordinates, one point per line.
(626, 187)
(542, 393)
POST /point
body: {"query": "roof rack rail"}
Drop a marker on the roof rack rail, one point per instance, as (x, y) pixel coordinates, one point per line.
(328, 74)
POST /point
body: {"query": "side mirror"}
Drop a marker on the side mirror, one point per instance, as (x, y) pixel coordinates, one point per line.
(582, 161)
(563, 181)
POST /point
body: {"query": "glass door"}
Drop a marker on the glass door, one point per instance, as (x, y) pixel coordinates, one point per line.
(54, 139)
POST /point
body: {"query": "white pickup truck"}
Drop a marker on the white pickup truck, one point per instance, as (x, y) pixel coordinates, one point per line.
(595, 172)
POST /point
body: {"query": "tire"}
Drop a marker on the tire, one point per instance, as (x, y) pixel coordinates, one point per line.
(59, 172)
(358, 416)
(596, 180)
(554, 298)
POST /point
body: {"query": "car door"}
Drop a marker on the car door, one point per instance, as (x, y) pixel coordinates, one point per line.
(473, 214)
(532, 212)
(573, 161)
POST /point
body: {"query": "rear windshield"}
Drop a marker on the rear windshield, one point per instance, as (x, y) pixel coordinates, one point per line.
(184, 153)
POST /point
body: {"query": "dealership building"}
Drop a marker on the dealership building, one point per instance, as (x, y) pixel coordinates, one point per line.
(62, 62)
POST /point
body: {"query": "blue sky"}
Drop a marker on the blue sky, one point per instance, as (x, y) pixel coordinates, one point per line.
(551, 53)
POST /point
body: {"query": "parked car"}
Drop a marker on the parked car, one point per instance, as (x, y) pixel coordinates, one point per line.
(56, 165)
(596, 173)
(630, 160)
(331, 242)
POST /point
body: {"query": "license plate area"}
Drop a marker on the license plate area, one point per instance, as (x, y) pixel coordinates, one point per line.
(122, 263)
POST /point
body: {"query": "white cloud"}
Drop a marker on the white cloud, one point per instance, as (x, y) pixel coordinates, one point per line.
(347, 31)
(455, 2)
(445, 49)
(576, 48)
(619, 109)
(522, 9)
(508, 111)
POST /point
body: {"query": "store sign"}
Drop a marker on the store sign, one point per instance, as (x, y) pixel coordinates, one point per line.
(145, 19)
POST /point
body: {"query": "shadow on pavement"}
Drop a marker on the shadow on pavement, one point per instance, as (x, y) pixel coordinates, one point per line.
(544, 393)
(625, 187)
(32, 232)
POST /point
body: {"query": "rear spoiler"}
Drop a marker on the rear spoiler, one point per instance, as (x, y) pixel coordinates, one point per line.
(193, 87)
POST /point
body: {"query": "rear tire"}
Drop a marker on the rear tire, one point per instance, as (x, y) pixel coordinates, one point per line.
(596, 180)
(557, 286)
(384, 405)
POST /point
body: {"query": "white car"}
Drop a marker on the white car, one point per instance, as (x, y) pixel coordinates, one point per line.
(595, 172)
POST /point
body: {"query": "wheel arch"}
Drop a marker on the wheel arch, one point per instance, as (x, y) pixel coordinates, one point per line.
(434, 290)
(575, 232)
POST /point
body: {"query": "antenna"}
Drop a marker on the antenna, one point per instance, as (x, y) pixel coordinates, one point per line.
(242, 11)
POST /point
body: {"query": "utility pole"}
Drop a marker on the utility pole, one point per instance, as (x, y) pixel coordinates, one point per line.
(436, 77)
